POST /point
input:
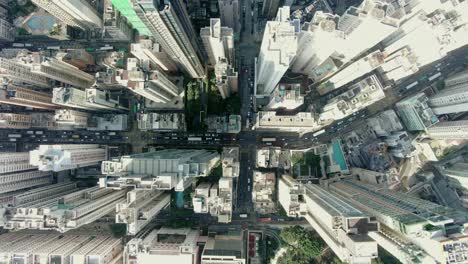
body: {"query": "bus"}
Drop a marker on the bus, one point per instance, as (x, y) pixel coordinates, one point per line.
(268, 139)
(14, 135)
(194, 139)
(53, 48)
(18, 45)
(106, 48)
(411, 85)
(435, 76)
(318, 133)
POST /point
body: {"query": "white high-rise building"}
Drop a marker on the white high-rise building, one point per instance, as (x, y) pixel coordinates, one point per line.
(14, 162)
(170, 25)
(15, 121)
(215, 199)
(70, 119)
(154, 86)
(64, 157)
(278, 50)
(20, 72)
(148, 51)
(140, 208)
(160, 170)
(449, 130)
(450, 100)
(16, 95)
(75, 13)
(229, 12)
(62, 72)
(7, 31)
(218, 42)
(342, 226)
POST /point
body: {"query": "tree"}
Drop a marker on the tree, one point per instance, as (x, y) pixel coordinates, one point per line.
(119, 230)
(302, 243)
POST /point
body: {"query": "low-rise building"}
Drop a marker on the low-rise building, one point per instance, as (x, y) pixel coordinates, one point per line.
(415, 113)
(230, 162)
(108, 123)
(224, 124)
(263, 190)
(301, 122)
(225, 244)
(215, 199)
(174, 121)
(268, 157)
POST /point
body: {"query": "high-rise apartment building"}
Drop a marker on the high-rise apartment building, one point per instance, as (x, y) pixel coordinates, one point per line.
(218, 42)
(148, 51)
(126, 9)
(449, 130)
(88, 99)
(115, 25)
(52, 247)
(270, 7)
(14, 162)
(154, 86)
(67, 119)
(140, 208)
(7, 31)
(69, 211)
(161, 170)
(278, 50)
(16, 95)
(457, 175)
(171, 27)
(165, 244)
(453, 99)
(64, 157)
(19, 71)
(15, 121)
(434, 229)
(75, 13)
(344, 227)
(229, 11)
(226, 79)
(415, 112)
(62, 72)
(358, 96)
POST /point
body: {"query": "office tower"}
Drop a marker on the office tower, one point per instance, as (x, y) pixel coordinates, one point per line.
(160, 170)
(215, 199)
(89, 99)
(69, 211)
(359, 96)
(226, 244)
(68, 156)
(449, 130)
(415, 112)
(51, 247)
(75, 13)
(278, 50)
(229, 11)
(342, 226)
(16, 95)
(15, 121)
(154, 85)
(18, 70)
(164, 244)
(270, 8)
(170, 25)
(226, 79)
(148, 51)
(67, 119)
(174, 121)
(431, 228)
(115, 25)
(218, 42)
(7, 31)
(457, 175)
(453, 99)
(62, 72)
(230, 162)
(140, 208)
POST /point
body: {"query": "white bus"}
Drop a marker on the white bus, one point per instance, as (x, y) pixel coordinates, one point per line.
(318, 133)
(268, 139)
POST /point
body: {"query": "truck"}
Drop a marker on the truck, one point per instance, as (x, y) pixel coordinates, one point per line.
(269, 139)
(111, 133)
(39, 132)
(76, 136)
(243, 215)
(18, 45)
(14, 135)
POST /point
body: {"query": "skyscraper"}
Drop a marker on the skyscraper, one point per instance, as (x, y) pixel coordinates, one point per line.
(229, 11)
(415, 112)
(20, 72)
(16, 95)
(148, 51)
(160, 170)
(171, 27)
(64, 157)
(218, 42)
(453, 99)
(270, 7)
(344, 227)
(432, 228)
(278, 50)
(449, 130)
(15, 121)
(75, 13)
(62, 72)
(90, 99)
(7, 32)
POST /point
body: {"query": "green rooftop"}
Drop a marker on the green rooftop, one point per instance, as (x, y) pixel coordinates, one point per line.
(125, 8)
